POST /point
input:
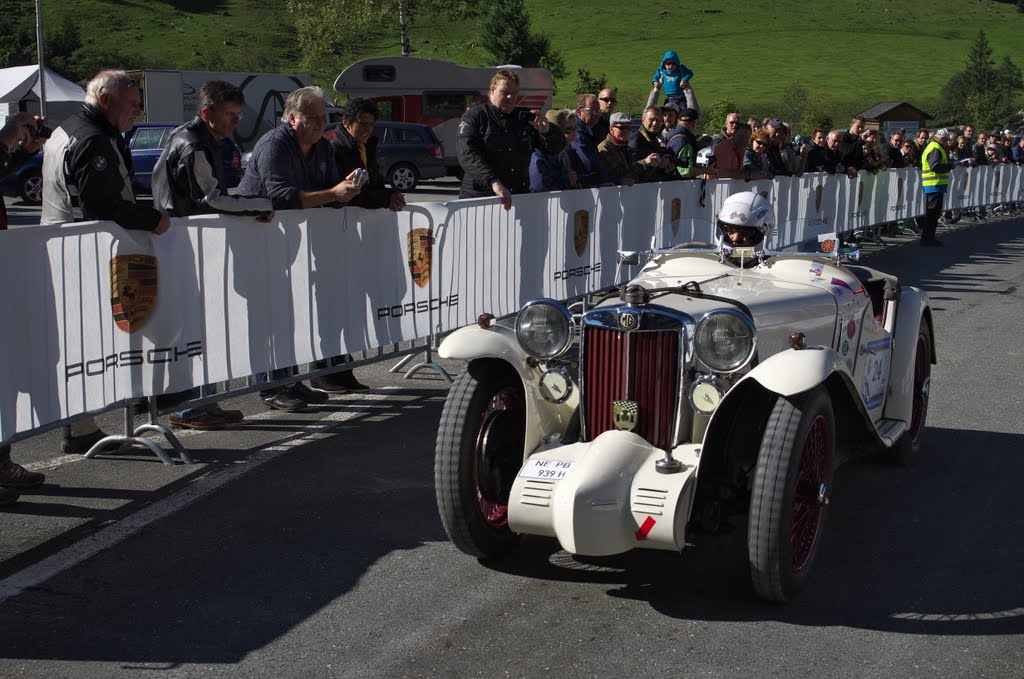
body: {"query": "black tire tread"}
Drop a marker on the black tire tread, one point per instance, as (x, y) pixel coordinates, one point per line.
(451, 504)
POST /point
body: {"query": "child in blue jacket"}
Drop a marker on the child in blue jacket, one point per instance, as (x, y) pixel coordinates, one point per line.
(673, 78)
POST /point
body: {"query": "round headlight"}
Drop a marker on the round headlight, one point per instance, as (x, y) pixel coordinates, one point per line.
(724, 340)
(544, 328)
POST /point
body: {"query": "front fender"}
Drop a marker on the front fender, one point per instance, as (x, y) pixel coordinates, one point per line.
(793, 371)
(913, 310)
(544, 419)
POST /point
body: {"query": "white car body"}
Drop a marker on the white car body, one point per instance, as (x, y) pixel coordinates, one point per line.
(608, 491)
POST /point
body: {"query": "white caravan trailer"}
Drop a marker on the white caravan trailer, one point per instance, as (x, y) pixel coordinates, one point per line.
(435, 93)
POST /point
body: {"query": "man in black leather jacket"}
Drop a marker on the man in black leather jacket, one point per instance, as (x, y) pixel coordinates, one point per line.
(188, 179)
(496, 142)
(189, 176)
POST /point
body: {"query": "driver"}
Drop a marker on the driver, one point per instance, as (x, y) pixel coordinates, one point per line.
(745, 219)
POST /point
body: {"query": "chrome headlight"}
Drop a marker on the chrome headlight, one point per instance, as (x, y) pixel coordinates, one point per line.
(544, 328)
(724, 340)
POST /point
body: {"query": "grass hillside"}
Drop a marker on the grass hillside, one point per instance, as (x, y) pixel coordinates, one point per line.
(848, 55)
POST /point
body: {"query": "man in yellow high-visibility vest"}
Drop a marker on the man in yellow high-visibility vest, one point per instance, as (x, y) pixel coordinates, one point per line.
(935, 167)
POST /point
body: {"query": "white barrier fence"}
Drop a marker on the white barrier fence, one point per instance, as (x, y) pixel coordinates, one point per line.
(95, 314)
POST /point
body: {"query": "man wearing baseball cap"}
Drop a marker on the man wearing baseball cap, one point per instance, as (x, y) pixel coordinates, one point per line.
(616, 155)
(935, 167)
(682, 142)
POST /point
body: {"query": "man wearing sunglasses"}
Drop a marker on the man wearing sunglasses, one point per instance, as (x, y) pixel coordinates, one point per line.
(606, 99)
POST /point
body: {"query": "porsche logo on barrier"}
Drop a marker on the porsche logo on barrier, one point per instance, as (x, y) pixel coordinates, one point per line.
(628, 321)
(580, 231)
(625, 415)
(899, 190)
(860, 193)
(817, 198)
(677, 212)
(421, 247)
(963, 183)
(133, 290)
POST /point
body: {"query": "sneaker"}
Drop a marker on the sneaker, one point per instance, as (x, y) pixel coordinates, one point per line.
(284, 400)
(204, 422)
(229, 416)
(306, 394)
(16, 476)
(8, 497)
(80, 445)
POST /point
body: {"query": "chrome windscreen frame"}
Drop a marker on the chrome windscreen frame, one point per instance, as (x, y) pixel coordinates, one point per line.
(652, 318)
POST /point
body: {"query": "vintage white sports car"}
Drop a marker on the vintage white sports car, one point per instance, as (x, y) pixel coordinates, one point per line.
(720, 378)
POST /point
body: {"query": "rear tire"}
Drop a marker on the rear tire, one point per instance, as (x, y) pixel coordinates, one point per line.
(790, 495)
(479, 452)
(909, 445)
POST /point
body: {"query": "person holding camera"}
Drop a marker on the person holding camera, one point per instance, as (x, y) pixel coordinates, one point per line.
(497, 139)
(21, 138)
(618, 157)
(646, 141)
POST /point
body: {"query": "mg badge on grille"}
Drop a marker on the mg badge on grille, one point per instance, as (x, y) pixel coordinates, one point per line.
(625, 414)
(628, 321)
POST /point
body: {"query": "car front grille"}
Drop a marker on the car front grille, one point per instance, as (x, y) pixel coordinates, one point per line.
(641, 366)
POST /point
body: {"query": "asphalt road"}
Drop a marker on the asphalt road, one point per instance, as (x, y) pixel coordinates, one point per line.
(309, 545)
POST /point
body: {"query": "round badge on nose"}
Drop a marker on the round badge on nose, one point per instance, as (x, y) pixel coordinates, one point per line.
(628, 321)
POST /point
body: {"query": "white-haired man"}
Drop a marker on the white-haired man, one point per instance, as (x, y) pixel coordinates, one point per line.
(294, 166)
(88, 159)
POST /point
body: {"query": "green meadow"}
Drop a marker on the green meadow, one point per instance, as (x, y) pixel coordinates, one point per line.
(848, 55)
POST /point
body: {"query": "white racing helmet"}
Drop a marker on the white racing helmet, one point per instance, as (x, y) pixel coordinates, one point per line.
(747, 210)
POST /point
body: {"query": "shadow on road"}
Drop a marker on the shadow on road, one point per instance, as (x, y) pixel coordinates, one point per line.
(227, 575)
(929, 550)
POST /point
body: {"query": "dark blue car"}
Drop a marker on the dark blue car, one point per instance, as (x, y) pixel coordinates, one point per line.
(147, 140)
(26, 182)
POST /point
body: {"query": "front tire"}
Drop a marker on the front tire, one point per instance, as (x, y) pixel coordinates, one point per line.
(790, 495)
(479, 452)
(909, 445)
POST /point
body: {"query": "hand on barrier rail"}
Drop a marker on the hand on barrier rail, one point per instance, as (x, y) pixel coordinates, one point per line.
(501, 192)
(266, 217)
(397, 202)
(162, 226)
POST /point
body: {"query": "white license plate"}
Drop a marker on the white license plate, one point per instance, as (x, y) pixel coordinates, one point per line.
(548, 470)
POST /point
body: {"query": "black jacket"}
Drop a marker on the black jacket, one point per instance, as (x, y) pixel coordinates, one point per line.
(87, 158)
(188, 179)
(346, 154)
(822, 159)
(493, 145)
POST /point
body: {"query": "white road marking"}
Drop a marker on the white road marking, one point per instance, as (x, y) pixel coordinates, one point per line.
(108, 537)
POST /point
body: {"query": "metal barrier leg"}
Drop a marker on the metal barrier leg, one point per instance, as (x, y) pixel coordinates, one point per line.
(171, 438)
(402, 363)
(428, 362)
(123, 441)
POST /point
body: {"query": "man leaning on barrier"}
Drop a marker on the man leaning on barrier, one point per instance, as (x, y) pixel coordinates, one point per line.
(20, 139)
(189, 180)
(87, 158)
(293, 165)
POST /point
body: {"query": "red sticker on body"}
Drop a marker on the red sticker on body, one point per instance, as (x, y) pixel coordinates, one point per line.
(851, 329)
(648, 525)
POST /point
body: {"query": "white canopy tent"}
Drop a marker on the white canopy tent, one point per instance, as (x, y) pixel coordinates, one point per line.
(19, 91)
